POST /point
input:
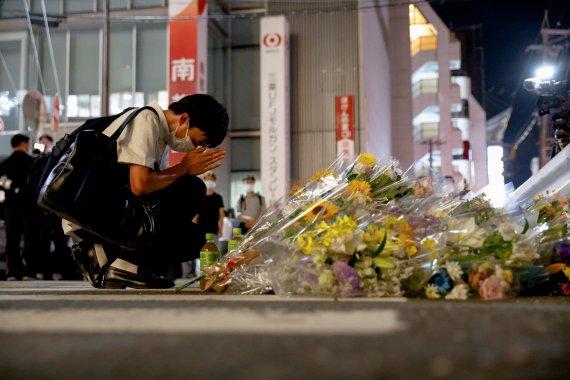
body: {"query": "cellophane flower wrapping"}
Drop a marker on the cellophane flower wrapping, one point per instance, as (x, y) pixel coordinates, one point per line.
(370, 229)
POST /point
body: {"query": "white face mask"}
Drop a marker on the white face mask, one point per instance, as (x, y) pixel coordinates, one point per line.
(178, 144)
(248, 188)
(210, 184)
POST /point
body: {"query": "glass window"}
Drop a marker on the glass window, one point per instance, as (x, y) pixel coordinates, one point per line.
(114, 4)
(146, 3)
(151, 61)
(52, 7)
(246, 154)
(217, 73)
(79, 6)
(12, 8)
(120, 60)
(58, 42)
(84, 72)
(245, 89)
(245, 32)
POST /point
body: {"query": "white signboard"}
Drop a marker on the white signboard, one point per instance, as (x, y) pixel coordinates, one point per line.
(274, 68)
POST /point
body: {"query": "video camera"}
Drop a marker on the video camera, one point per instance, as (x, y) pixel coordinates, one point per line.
(554, 99)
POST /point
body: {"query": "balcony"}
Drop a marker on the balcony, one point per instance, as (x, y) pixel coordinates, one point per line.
(425, 86)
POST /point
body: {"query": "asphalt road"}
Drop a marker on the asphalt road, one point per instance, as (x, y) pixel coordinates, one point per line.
(67, 330)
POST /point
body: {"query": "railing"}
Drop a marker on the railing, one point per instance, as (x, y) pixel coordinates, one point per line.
(426, 86)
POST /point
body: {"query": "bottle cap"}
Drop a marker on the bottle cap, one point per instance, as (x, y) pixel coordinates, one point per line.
(210, 236)
(237, 230)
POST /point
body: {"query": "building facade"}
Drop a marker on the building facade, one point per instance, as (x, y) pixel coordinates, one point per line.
(399, 64)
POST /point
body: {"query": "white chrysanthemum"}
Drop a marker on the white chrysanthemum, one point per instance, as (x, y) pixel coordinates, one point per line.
(524, 251)
(507, 230)
(453, 270)
(431, 292)
(354, 242)
(459, 292)
(476, 238)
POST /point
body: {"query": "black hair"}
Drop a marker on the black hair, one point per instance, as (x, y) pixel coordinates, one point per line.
(248, 177)
(46, 137)
(18, 139)
(206, 113)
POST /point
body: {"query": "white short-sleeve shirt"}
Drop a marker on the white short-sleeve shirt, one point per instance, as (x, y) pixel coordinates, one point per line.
(143, 142)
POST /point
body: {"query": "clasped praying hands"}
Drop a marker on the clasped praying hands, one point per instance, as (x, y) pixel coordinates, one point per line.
(202, 160)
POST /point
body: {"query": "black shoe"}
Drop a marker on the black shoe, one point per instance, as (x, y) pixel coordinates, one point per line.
(114, 278)
(85, 256)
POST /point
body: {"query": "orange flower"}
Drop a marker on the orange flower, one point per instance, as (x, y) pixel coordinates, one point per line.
(320, 210)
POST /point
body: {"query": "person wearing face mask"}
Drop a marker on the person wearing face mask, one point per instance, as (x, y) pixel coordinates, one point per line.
(194, 125)
(250, 205)
(211, 214)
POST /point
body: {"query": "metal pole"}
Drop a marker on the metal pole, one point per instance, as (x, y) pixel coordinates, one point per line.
(105, 61)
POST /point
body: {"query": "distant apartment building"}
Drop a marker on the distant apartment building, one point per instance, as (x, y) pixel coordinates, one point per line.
(448, 122)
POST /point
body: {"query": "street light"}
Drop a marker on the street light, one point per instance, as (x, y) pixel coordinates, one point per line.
(545, 72)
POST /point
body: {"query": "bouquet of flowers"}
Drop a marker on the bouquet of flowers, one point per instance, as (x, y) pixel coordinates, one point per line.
(370, 229)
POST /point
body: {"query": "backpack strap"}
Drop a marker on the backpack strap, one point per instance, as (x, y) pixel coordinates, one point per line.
(115, 136)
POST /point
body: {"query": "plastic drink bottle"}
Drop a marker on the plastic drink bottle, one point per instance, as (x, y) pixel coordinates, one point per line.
(209, 254)
(234, 241)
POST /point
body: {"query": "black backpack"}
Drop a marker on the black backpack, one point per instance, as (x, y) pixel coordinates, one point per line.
(44, 164)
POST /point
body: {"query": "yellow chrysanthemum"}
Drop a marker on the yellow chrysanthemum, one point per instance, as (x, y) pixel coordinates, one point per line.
(411, 250)
(320, 173)
(339, 229)
(359, 187)
(367, 159)
(373, 234)
(428, 244)
(304, 244)
(320, 210)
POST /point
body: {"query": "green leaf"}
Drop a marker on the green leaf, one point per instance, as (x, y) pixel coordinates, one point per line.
(526, 225)
(382, 245)
(383, 262)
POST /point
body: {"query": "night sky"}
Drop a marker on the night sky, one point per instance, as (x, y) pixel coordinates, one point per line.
(508, 28)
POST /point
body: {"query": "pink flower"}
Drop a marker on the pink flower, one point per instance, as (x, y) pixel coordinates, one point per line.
(491, 288)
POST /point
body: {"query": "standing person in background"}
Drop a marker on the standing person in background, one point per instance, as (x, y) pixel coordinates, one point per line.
(250, 205)
(210, 217)
(58, 264)
(227, 232)
(19, 212)
(211, 214)
(47, 142)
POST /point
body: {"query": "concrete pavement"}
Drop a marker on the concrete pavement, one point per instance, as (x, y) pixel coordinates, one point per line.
(68, 330)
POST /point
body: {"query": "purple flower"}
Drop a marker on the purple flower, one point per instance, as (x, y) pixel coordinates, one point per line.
(347, 278)
(564, 252)
(305, 266)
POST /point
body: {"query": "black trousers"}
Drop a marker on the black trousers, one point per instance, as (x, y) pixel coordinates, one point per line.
(178, 238)
(21, 224)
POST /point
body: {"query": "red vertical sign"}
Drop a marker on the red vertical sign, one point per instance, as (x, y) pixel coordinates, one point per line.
(56, 106)
(345, 127)
(188, 52)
